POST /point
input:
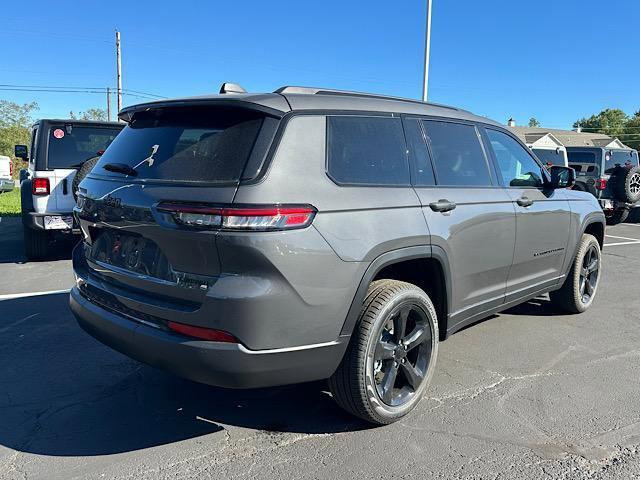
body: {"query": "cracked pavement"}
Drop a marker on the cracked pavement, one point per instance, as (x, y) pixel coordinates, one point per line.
(527, 394)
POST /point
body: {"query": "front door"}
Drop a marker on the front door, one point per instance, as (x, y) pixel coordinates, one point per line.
(542, 217)
(470, 217)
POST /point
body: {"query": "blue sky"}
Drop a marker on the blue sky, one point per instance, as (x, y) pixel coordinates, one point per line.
(555, 60)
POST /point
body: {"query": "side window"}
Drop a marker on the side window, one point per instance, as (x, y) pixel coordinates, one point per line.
(458, 157)
(367, 150)
(517, 167)
(420, 159)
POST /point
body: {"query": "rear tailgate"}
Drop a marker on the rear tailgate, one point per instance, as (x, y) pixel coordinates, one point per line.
(185, 156)
(69, 146)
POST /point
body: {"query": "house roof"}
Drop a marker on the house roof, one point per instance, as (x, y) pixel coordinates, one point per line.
(568, 138)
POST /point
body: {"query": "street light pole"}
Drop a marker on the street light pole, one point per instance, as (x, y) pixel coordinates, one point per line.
(118, 71)
(427, 53)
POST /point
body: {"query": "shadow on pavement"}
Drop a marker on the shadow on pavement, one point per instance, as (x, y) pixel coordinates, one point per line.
(12, 243)
(65, 394)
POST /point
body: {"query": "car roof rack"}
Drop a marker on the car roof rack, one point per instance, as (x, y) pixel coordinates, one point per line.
(327, 91)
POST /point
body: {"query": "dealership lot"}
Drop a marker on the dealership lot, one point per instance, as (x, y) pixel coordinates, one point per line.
(525, 394)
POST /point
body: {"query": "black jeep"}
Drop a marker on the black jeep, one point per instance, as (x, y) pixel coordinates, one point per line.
(611, 175)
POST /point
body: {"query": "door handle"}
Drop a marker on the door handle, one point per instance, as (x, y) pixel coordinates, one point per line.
(64, 186)
(442, 206)
(524, 202)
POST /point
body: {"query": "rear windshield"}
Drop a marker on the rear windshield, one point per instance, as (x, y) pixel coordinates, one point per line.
(581, 157)
(195, 144)
(70, 145)
(612, 158)
(548, 156)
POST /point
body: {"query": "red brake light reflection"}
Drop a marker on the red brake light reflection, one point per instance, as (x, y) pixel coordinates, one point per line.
(202, 333)
(40, 186)
(601, 184)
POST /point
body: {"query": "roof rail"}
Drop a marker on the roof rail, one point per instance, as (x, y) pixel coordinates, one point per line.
(328, 91)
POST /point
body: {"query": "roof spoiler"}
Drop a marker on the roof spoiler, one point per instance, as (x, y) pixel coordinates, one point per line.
(232, 88)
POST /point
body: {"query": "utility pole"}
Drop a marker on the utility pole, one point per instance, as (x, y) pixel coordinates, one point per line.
(427, 53)
(119, 70)
(108, 104)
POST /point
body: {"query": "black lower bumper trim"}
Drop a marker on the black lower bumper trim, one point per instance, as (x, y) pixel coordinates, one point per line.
(221, 364)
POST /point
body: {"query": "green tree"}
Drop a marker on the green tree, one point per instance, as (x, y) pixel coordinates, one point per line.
(631, 137)
(533, 122)
(15, 128)
(95, 113)
(611, 122)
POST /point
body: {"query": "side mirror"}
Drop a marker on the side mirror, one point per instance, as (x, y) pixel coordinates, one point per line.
(561, 177)
(22, 152)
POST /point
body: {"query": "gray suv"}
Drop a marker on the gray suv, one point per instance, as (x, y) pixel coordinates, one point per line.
(251, 240)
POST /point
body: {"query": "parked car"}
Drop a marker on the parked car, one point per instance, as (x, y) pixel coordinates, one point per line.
(59, 148)
(611, 175)
(7, 183)
(253, 240)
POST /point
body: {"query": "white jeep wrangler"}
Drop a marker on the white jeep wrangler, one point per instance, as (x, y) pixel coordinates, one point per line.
(59, 148)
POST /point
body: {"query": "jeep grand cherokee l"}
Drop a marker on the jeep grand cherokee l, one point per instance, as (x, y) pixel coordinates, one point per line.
(253, 240)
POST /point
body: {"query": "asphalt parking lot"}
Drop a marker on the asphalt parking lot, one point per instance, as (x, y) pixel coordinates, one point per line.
(527, 394)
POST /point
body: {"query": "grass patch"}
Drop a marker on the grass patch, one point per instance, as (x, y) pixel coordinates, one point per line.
(10, 203)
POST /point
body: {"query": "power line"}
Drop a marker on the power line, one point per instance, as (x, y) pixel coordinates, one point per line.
(76, 89)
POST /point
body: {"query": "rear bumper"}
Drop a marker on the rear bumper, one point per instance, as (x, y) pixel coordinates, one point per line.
(221, 364)
(36, 221)
(6, 185)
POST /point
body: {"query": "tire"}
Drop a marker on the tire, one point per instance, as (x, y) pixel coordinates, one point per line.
(626, 186)
(358, 383)
(82, 172)
(36, 244)
(570, 297)
(618, 216)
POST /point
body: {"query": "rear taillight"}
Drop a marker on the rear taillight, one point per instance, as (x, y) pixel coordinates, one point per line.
(601, 184)
(10, 168)
(202, 333)
(40, 186)
(255, 217)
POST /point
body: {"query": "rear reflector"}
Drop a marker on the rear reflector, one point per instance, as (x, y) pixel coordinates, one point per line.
(601, 184)
(260, 218)
(202, 333)
(40, 186)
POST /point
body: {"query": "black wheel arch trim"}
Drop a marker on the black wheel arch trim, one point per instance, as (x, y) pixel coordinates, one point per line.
(591, 219)
(389, 258)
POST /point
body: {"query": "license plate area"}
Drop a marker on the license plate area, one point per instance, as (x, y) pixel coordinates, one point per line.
(131, 252)
(58, 222)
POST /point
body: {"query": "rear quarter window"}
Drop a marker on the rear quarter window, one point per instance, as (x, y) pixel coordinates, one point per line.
(367, 151)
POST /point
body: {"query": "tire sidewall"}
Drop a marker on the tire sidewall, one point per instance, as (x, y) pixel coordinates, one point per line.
(631, 197)
(586, 244)
(387, 413)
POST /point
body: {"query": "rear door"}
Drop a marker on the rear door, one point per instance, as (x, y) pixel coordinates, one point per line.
(471, 218)
(543, 216)
(69, 146)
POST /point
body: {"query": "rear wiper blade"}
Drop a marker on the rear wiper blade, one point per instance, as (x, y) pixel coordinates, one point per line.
(121, 168)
